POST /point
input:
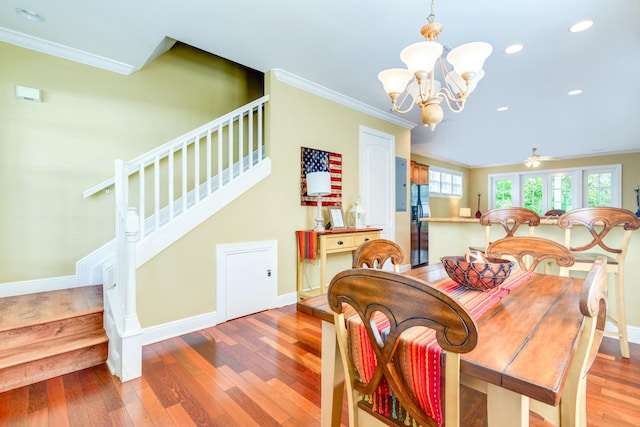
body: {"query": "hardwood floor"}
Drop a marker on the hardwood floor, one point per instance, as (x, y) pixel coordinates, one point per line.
(260, 370)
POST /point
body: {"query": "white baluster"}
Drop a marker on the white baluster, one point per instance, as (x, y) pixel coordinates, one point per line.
(230, 150)
(141, 197)
(196, 170)
(220, 154)
(209, 162)
(241, 144)
(185, 171)
(250, 137)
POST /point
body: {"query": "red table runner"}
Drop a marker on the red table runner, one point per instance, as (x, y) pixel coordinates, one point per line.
(420, 352)
(306, 244)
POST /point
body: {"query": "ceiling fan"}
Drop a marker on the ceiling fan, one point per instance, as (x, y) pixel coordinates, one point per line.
(536, 159)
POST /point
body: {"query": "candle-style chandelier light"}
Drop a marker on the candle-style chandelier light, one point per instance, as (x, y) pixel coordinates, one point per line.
(418, 81)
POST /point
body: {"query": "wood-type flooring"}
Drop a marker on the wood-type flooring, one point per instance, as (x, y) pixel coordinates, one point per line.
(259, 370)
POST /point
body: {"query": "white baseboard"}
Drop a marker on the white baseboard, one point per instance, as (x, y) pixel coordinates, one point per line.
(176, 328)
(11, 289)
(287, 299)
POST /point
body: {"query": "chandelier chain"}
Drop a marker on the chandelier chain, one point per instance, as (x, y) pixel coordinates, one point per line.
(432, 15)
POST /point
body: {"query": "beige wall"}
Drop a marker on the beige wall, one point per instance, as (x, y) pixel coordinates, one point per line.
(50, 152)
(269, 211)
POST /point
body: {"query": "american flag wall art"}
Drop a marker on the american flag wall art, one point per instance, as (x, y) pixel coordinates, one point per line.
(312, 160)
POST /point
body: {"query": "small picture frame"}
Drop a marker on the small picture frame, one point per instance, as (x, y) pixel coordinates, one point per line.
(337, 217)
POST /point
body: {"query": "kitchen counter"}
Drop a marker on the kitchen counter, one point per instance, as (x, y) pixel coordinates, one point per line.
(544, 220)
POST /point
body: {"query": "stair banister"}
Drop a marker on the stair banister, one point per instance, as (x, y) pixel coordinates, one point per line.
(257, 105)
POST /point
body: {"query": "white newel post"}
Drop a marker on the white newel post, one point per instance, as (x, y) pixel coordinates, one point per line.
(131, 323)
(127, 234)
(132, 332)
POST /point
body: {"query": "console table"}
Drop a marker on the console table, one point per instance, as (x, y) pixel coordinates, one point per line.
(331, 242)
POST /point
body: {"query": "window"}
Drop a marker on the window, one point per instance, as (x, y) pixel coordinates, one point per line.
(532, 193)
(599, 188)
(565, 189)
(503, 193)
(561, 197)
(444, 182)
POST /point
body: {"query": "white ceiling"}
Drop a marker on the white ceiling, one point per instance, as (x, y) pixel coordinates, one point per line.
(343, 44)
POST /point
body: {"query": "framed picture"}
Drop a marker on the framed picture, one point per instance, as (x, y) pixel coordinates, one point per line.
(337, 217)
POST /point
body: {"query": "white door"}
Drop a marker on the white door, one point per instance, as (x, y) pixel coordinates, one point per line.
(377, 177)
(246, 279)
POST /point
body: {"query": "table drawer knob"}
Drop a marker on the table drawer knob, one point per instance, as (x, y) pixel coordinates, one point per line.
(366, 240)
(340, 242)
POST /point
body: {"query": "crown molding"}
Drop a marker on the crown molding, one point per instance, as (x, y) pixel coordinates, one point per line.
(65, 52)
(316, 89)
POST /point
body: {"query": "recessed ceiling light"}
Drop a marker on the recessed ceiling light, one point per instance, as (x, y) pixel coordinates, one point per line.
(575, 92)
(502, 108)
(29, 15)
(581, 26)
(513, 48)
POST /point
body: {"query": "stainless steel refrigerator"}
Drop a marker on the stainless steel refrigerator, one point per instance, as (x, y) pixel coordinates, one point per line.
(419, 230)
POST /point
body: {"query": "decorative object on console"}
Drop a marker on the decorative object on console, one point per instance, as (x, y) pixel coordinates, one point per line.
(477, 275)
(465, 212)
(312, 160)
(357, 215)
(637, 190)
(337, 218)
(427, 92)
(478, 213)
(318, 185)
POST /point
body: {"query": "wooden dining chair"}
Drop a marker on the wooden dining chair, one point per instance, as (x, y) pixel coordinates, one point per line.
(598, 223)
(375, 253)
(510, 219)
(554, 212)
(406, 303)
(531, 251)
(572, 409)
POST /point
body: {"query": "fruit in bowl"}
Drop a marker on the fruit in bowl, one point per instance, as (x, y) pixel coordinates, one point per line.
(475, 272)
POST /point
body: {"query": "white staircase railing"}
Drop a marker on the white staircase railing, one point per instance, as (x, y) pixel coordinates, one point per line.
(160, 188)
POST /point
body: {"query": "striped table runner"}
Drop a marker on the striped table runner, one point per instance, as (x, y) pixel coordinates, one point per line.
(420, 352)
(306, 244)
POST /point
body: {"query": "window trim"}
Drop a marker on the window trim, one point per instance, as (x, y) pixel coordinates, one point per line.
(450, 172)
(579, 193)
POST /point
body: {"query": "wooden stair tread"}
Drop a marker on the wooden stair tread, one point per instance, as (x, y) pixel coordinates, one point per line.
(40, 350)
(32, 309)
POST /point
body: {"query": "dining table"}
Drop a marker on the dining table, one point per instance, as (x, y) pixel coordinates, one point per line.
(526, 342)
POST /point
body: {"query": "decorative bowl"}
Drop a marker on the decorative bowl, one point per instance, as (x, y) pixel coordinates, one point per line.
(477, 275)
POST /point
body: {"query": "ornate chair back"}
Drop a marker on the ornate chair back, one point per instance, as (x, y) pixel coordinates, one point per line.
(375, 253)
(531, 251)
(600, 223)
(406, 303)
(510, 219)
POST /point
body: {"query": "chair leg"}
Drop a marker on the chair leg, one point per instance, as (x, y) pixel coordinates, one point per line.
(621, 313)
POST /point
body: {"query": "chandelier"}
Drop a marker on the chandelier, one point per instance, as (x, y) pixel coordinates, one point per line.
(418, 81)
